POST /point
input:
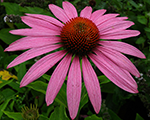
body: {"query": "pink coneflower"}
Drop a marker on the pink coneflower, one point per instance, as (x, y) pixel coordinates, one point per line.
(79, 37)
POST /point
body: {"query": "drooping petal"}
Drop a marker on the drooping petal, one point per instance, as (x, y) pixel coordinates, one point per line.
(86, 12)
(41, 67)
(30, 21)
(46, 18)
(120, 34)
(92, 84)
(57, 79)
(123, 47)
(114, 27)
(32, 53)
(104, 18)
(120, 60)
(114, 73)
(70, 10)
(74, 87)
(31, 42)
(59, 13)
(42, 32)
(95, 15)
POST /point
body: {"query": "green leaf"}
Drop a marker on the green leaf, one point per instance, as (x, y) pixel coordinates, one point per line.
(93, 117)
(42, 117)
(15, 85)
(147, 29)
(138, 117)
(3, 106)
(1, 51)
(6, 37)
(133, 4)
(84, 97)
(12, 105)
(35, 10)
(47, 77)
(4, 82)
(140, 40)
(142, 19)
(38, 86)
(8, 93)
(13, 115)
(61, 96)
(108, 87)
(59, 113)
(21, 71)
(113, 115)
(147, 1)
(103, 79)
(12, 8)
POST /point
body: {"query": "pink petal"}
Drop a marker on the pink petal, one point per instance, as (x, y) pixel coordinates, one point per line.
(120, 34)
(86, 12)
(46, 18)
(70, 10)
(117, 75)
(104, 18)
(74, 83)
(98, 13)
(37, 23)
(59, 13)
(114, 26)
(122, 18)
(32, 53)
(120, 60)
(92, 84)
(42, 32)
(31, 42)
(112, 22)
(41, 67)
(123, 47)
(57, 79)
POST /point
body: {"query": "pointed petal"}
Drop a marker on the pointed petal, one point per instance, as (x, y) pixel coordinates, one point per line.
(46, 18)
(59, 13)
(57, 79)
(31, 42)
(32, 53)
(98, 13)
(114, 73)
(74, 87)
(120, 60)
(42, 32)
(41, 67)
(37, 23)
(70, 10)
(104, 18)
(120, 34)
(123, 47)
(86, 12)
(92, 84)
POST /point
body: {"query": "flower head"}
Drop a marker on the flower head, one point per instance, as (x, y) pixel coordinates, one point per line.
(31, 113)
(80, 37)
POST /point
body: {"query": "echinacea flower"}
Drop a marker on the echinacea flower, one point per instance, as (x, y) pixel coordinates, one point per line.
(80, 40)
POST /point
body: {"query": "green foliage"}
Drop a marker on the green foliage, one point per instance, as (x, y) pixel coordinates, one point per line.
(93, 117)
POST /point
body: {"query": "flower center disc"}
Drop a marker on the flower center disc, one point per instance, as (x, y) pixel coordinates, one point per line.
(79, 36)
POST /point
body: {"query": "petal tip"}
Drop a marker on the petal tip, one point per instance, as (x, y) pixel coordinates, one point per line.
(48, 102)
(21, 86)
